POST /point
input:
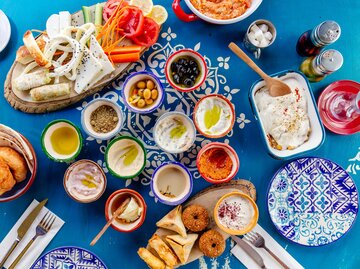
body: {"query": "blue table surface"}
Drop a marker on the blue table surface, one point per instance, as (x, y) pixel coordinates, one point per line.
(83, 221)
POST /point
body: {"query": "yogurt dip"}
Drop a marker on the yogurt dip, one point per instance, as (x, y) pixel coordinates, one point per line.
(174, 132)
(285, 118)
(84, 181)
(214, 116)
(125, 157)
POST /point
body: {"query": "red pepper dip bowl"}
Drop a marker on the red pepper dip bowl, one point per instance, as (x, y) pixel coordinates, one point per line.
(217, 162)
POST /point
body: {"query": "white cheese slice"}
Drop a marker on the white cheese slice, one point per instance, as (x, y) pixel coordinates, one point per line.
(87, 71)
(97, 51)
(65, 20)
(53, 25)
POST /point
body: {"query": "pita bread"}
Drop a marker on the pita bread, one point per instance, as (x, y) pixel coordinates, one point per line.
(172, 221)
(182, 246)
(163, 250)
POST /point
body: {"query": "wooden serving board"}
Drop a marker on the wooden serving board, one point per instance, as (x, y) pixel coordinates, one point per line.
(208, 198)
(22, 101)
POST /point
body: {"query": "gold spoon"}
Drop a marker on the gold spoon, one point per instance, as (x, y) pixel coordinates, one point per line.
(276, 86)
(118, 211)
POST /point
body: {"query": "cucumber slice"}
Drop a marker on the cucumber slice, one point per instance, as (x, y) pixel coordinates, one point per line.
(87, 15)
(98, 17)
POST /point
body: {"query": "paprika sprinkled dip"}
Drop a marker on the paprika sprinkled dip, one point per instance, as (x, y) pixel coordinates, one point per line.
(236, 213)
(217, 162)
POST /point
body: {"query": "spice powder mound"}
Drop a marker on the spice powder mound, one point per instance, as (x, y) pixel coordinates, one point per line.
(104, 119)
(216, 164)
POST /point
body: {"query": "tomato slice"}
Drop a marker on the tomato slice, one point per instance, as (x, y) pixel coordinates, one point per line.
(132, 21)
(110, 7)
(149, 35)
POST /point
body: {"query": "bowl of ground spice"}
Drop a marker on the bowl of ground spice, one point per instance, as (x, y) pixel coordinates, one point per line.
(102, 118)
(217, 162)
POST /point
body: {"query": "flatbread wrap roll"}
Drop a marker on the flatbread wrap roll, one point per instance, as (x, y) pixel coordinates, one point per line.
(50, 91)
(29, 81)
(163, 251)
(152, 261)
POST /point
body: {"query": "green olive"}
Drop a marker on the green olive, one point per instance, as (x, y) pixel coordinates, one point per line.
(154, 94)
(141, 84)
(141, 103)
(150, 84)
(147, 94)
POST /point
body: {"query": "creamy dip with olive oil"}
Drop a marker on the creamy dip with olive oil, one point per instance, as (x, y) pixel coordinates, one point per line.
(213, 116)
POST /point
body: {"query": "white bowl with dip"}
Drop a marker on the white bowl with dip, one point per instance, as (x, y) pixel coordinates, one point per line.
(197, 14)
(236, 213)
(93, 106)
(84, 181)
(171, 183)
(305, 98)
(174, 132)
(125, 157)
(61, 141)
(214, 116)
(134, 214)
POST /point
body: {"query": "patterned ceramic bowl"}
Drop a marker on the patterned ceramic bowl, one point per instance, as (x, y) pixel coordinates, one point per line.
(220, 152)
(56, 138)
(90, 108)
(115, 200)
(131, 81)
(186, 53)
(171, 183)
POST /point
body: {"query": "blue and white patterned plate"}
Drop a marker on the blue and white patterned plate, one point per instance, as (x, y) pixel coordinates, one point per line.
(312, 201)
(69, 258)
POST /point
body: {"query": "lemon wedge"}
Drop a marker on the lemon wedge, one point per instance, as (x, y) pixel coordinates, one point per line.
(159, 14)
(146, 6)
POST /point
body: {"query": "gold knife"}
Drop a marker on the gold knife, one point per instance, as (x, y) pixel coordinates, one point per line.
(23, 228)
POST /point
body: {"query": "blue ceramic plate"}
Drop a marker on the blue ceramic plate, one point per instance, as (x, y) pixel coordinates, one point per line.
(68, 258)
(312, 201)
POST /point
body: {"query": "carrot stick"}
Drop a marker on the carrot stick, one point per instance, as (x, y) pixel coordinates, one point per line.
(125, 58)
(123, 50)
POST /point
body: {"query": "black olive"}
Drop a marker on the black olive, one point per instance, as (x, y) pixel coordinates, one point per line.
(174, 67)
(193, 77)
(176, 78)
(192, 63)
(188, 71)
(188, 82)
(196, 71)
(181, 61)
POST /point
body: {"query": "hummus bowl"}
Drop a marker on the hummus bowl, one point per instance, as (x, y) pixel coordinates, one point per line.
(171, 183)
(199, 15)
(315, 135)
(125, 157)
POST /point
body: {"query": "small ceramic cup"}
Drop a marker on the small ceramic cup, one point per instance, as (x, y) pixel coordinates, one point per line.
(48, 147)
(115, 200)
(131, 81)
(86, 118)
(121, 146)
(199, 121)
(232, 154)
(171, 183)
(256, 49)
(189, 53)
(222, 211)
(81, 198)
(162, 136)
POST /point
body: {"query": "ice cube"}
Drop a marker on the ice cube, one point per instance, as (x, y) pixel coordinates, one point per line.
(254, 28)
(259, 35)
(264, 27)
(268, 36)
(253, 40)
(264, 43)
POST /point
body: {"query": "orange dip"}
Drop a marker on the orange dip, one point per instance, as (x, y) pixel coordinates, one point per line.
(215, 163)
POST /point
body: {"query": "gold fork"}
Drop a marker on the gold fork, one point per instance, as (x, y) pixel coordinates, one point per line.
(43, 228)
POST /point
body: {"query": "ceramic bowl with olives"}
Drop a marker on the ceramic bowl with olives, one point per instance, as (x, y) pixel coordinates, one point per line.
(186, 70)
(142, 92)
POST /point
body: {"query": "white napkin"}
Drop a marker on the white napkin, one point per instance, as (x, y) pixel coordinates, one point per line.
(269, 261)
(37, 247)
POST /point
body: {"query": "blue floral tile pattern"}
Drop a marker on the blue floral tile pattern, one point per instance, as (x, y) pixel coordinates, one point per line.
(69, 258)
(312, 201)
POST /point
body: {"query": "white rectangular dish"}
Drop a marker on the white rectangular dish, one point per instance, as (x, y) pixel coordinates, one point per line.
(317, 134)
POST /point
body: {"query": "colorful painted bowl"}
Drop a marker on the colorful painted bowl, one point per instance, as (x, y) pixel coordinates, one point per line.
(115, 200)
(125, 157)
(73, 193)
(203, 110)
(236, 202)
(171, 183)
(229, 151)
(128, 86)
(317, 135)
(86, 118)
(186, 53)
(178, 139)
(51, 131)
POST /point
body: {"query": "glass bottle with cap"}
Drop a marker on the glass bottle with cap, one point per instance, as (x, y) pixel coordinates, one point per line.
(315, 68)
(312, 41)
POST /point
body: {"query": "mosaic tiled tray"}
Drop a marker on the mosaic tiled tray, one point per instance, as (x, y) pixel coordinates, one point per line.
(312, 201)
(69, 258)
